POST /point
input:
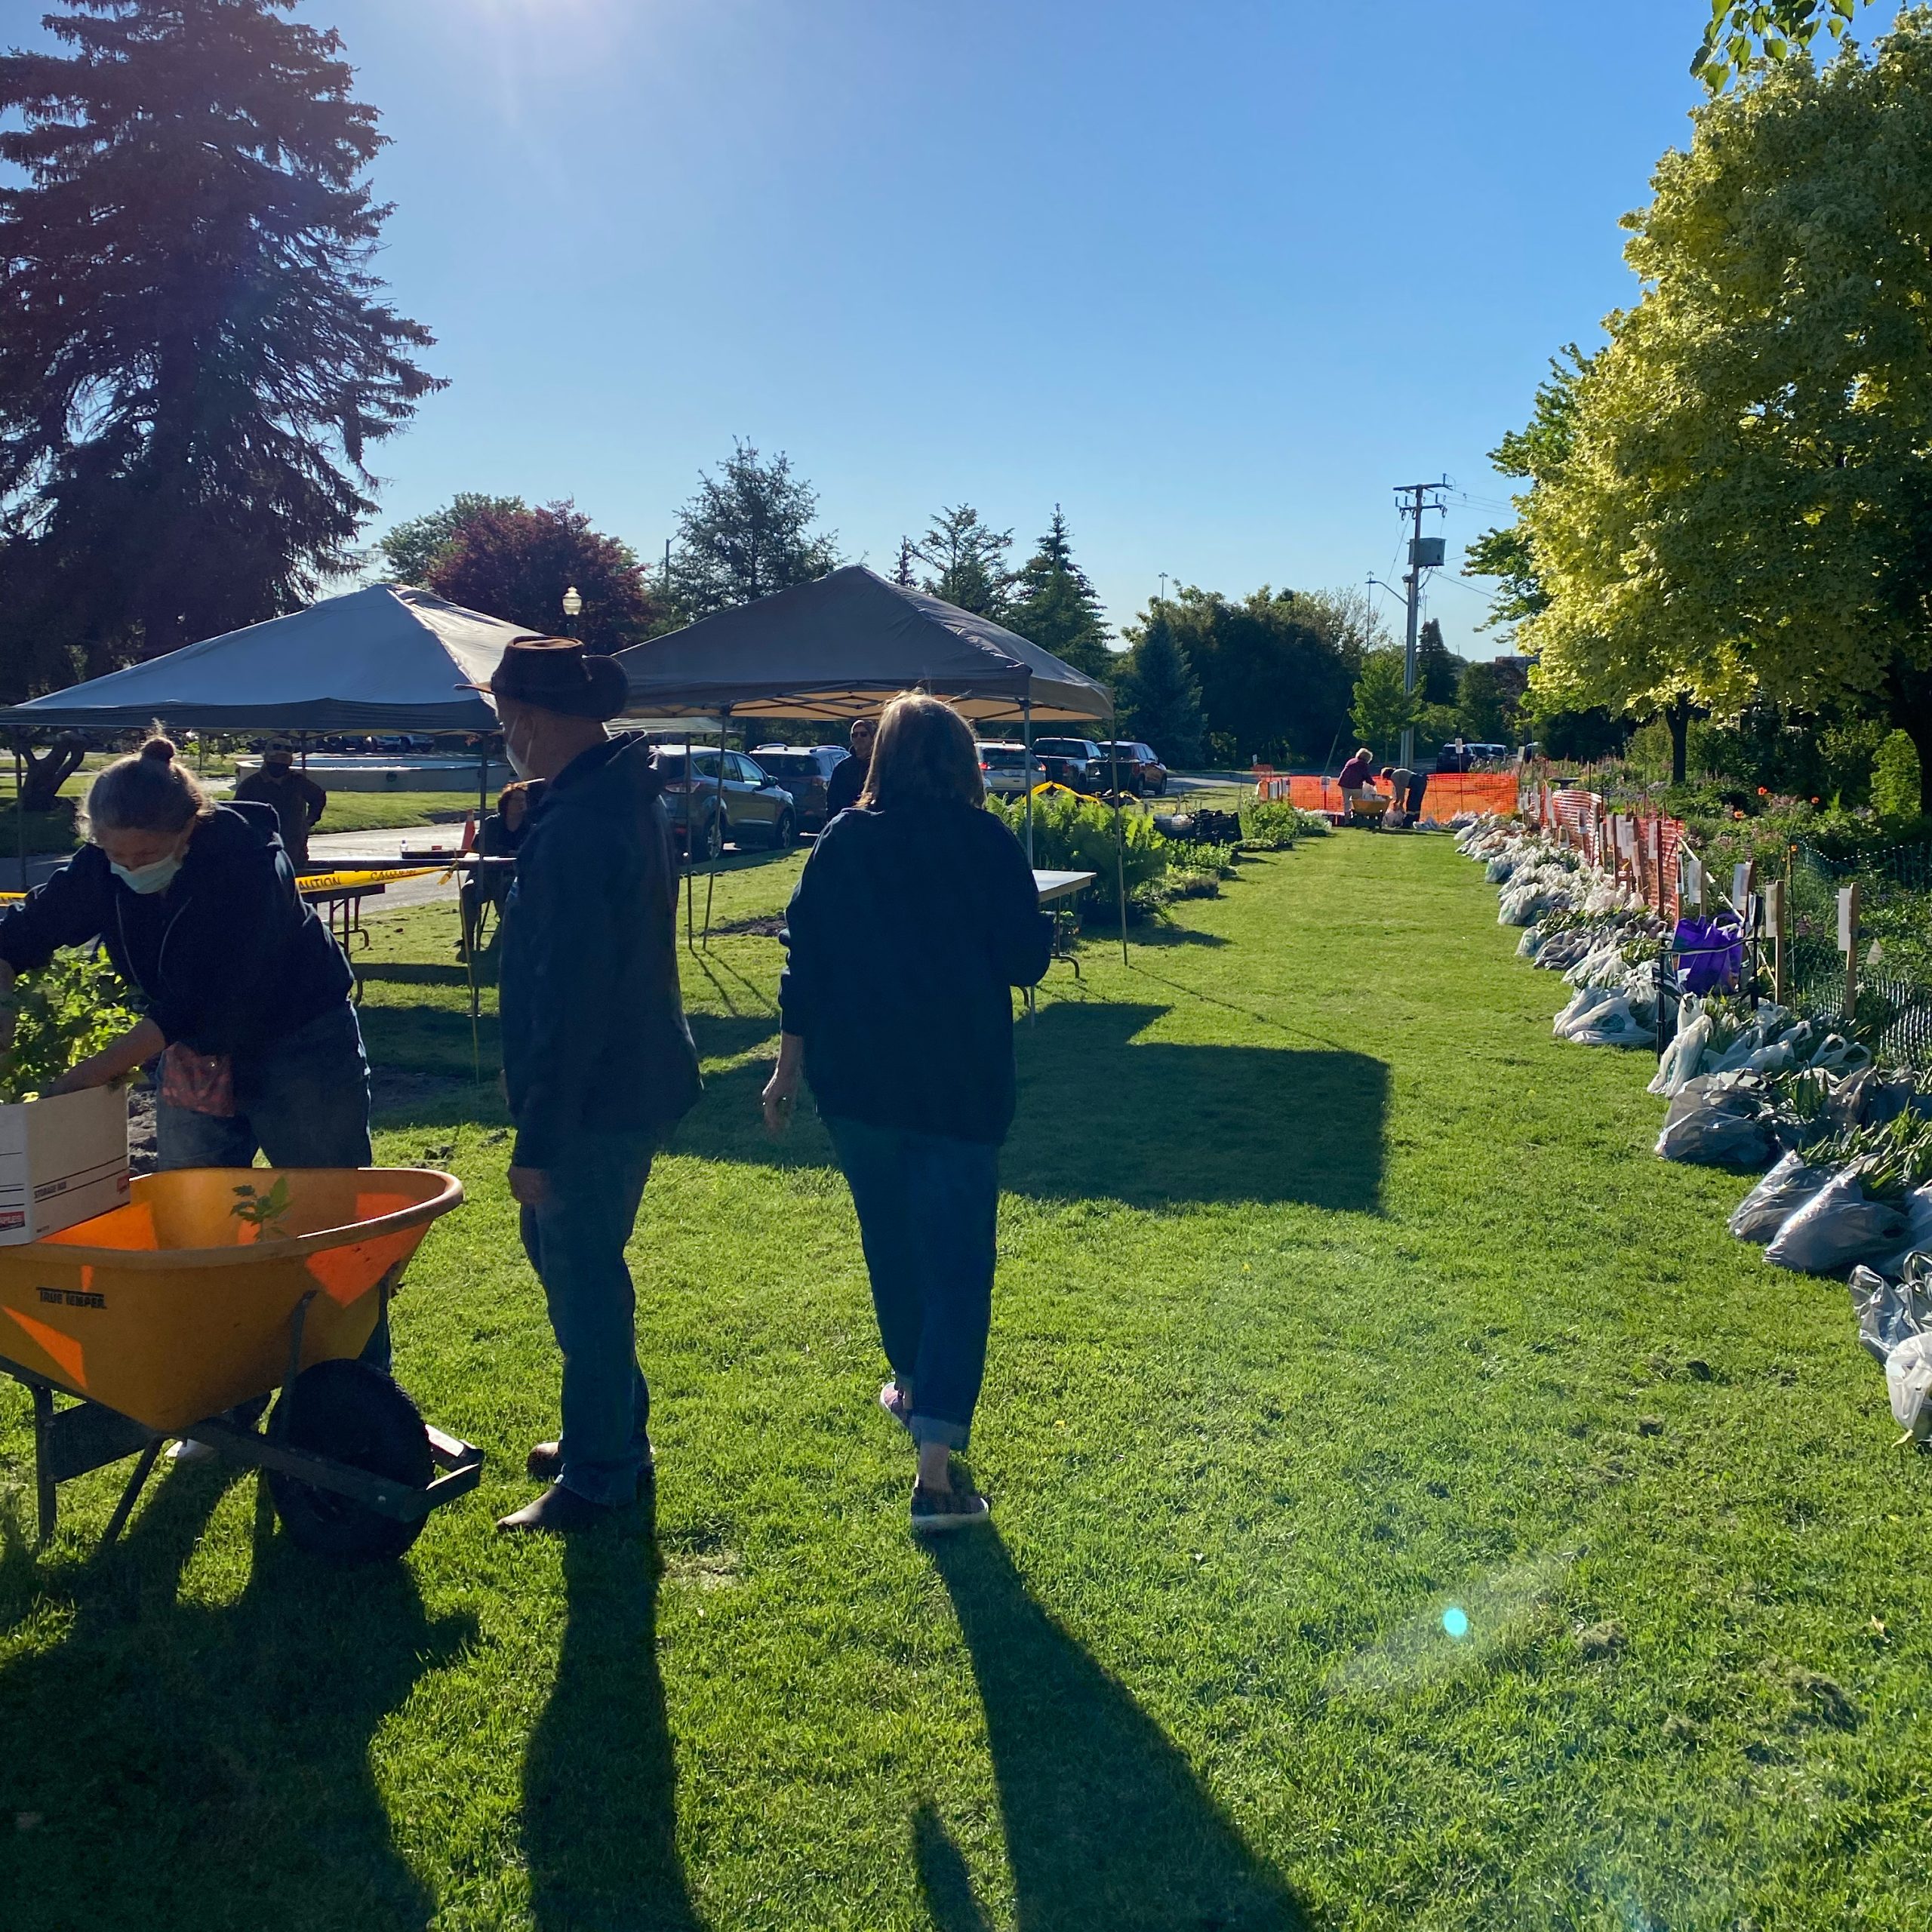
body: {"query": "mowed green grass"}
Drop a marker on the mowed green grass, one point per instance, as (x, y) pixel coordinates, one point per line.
(1334, 1294)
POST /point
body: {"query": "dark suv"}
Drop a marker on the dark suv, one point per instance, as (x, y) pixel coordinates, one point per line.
(1141, 770)
(750, 810)
(1077, 763)
(804, 771)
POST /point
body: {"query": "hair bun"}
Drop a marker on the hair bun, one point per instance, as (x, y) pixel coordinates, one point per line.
(161, 750)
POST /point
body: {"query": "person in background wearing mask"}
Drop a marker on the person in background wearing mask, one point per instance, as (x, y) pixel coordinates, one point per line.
(246, 991)
(497, 837)
(298, 800)
(598, 1061)
(848, 775)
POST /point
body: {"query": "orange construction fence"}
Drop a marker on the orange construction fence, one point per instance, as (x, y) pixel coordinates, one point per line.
(1641, 850)
(1449, 794)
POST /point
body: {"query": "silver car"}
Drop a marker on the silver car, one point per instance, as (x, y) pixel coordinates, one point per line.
(1004, 769)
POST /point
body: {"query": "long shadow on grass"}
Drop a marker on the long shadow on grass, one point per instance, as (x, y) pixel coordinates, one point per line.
(1151, 1125)
(1106, 1825)
(599, 1802)
(199, 1766)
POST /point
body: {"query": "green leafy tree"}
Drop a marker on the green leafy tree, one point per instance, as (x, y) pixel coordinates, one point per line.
(517, 563)
(413, 549)
(747, 532)
(1438, 670)
(1483, 713)
(1272, 687)
(1382, 710)
(968, 558)
(1345, 620)
(1057, 608)
(1746, 508)
(1741, 30)
(195, 358)
(1896, 779)
(1162, 701)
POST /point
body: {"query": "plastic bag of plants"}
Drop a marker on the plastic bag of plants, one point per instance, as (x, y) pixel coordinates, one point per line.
(1889, 1312)
(1909, 1383)
(1837, 1228)
(1710, 953)
(1762, 1212)
(1683, 1057)
(1603, 1017)
(1718, 1120)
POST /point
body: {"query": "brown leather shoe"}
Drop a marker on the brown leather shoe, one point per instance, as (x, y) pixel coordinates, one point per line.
(558, 1511)
(545, 1464)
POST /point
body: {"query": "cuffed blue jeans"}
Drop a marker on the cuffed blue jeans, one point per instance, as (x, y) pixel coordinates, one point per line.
(302, 1102)
(928, 1205)
(576, 1242)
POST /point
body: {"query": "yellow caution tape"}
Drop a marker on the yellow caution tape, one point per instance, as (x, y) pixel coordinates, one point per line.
(338, 881)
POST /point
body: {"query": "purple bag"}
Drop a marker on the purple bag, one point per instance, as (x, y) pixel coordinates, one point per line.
(1710, 954)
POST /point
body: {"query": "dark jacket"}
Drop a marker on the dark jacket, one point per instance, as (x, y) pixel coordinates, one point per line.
(298, 802)
(228, 960)
(907, 931)
(843, 787)
(594, 1032)
(1356, 774)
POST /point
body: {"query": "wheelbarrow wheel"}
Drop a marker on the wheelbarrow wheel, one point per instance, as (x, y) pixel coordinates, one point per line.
(353, 1413)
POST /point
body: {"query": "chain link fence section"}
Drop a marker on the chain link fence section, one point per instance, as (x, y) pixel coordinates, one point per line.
(1894, 1010)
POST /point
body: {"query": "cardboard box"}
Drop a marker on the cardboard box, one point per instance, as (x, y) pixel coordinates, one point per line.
(62, 1160)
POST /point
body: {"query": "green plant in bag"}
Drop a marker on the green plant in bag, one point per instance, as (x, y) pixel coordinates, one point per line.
(69, 1010)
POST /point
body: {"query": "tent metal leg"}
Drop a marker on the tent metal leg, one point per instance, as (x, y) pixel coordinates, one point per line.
(711, 878)
(1120, 842)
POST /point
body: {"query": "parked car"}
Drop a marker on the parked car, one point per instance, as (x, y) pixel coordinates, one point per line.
(1077, 763)
(751, 810)
(804, 771)
(1005, 771)
(1141, 771)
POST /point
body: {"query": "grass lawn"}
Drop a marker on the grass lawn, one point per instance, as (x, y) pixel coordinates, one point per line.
(1334, 1295)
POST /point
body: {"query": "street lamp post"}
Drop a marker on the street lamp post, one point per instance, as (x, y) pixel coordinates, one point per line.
(573, 610)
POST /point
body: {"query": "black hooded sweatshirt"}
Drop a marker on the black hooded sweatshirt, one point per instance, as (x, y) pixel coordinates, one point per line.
(228, 960)
(594, 1039)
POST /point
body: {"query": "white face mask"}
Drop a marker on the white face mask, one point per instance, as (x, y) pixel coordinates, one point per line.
(519, 762)
(150, 878)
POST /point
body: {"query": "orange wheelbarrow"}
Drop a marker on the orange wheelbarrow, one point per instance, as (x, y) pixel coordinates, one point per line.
(210, 1289)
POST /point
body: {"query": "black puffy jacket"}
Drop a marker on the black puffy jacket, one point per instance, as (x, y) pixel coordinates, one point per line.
(230, 959)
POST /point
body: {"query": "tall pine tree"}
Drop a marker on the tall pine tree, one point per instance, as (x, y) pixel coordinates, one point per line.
(748, 531)
(967, 558)
(1056, 608)
(1163, 701)
(196, 358)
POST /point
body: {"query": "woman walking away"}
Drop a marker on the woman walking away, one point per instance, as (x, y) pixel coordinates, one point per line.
(914, 917)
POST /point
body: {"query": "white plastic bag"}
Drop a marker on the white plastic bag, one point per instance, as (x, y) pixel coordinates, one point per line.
(1776, 1198)
(1683, 1057)
(1837, 1227)
(1909, 1382)
(1889, 1312)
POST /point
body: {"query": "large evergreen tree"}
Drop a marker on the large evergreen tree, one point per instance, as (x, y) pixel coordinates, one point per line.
(1056, 608)
(968, 558)
(195, 358)
(1162, 700)
(746, 533)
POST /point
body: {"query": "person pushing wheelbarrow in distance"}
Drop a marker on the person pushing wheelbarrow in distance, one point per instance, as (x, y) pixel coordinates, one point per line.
(598, 1060)
(246, 991)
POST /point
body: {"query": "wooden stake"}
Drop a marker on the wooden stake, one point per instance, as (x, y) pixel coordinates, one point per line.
(1775, 925)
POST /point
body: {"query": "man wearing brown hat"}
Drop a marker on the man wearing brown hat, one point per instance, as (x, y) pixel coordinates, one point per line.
(598, 1061)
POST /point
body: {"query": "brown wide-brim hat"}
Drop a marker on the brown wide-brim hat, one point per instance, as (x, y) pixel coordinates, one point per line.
(555, 675)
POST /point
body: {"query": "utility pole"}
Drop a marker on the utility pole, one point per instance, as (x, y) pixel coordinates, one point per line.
(1423, 554)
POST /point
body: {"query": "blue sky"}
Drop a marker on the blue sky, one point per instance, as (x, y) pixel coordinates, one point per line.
(1213, 276)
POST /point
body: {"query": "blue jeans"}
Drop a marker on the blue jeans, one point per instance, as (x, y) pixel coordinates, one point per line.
(303, 1101)
(576, 1242)
(926, 1206)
